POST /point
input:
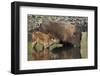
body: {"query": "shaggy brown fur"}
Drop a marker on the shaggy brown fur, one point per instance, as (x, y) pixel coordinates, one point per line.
(65, 32)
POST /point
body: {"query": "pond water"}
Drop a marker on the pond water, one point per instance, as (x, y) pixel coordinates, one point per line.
(65, 52)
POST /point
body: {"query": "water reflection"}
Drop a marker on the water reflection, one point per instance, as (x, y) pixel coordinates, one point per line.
(65, 52)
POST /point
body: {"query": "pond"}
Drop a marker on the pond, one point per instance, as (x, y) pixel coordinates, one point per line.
(65, 52)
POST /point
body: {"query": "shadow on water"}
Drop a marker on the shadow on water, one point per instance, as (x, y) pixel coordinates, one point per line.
(68, 51)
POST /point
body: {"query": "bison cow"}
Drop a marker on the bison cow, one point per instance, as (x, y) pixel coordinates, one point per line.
(65, 32)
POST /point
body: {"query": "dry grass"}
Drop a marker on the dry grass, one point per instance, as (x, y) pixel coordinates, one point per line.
(84, 43)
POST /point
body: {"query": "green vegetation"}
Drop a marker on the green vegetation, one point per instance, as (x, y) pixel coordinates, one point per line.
(30, 51)
(39, 47)
(55, 45)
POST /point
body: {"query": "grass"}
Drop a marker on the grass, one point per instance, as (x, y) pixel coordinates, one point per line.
(30, 51)
(84, 50)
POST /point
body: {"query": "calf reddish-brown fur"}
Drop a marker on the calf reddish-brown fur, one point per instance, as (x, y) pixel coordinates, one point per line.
(46, 40)
(40, 37)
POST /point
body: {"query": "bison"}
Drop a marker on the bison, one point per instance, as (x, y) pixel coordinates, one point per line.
(65, 32)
